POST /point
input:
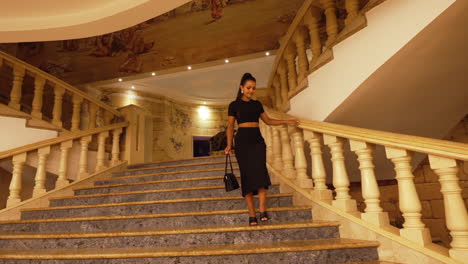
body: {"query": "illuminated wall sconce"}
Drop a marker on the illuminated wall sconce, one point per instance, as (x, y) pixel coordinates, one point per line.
(189, 68)
(203, 112)
(153, 74)
(267, 53)
(120, 80)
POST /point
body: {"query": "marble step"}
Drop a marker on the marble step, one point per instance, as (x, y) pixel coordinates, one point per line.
(151, 221)
(334, 250)
(173, 237)
(172, 168)
(166, 176)
(153, 185)
(182, 161)
(152, 207)
(147, 195)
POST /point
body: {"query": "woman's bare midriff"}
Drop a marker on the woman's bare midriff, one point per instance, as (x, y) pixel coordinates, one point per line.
(249, 124)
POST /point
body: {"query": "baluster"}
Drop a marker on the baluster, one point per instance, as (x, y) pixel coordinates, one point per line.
(75, 123)
(332, 23)
(300, 162)
(288, 167)
(370, 189)
(58, 101)
(414, 229)
(62, 180)
(40, 179)
(352, 8)
(269, 143)
(290, 56)
(116, 146)
(340, 176)
(277, 87)
(108, 116)
(299, 38)
(92, 108)
(101, 154)
(321, 191)
(311, 20)
(39, 83)
(83, 165)
(15, 94)
(456, 216)
(15, 185)
(277, 149)
(283, 73)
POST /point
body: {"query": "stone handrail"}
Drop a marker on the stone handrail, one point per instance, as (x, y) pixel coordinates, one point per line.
(285, 154)
(304, 34)
(96, 108)
(65, 143)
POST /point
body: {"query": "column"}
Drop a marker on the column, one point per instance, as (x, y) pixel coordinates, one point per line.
(277, 150)
(321, 191)
(290, 57)
(352, 8)
(299, 39)
(277, 87)
(410, 205)
(83, 165)
(332, 23)
(300, 162)
(58, 101)
(370, 190)
(283, 73)
(340, 176)
(287, 156)
(62, 180)
(92, 108)
(40, 179)
(15, 93)
(116, 146)
(311, 20)
(101, 154)
(15, 184)
(75, 123)
(456, 216)
(39, 83)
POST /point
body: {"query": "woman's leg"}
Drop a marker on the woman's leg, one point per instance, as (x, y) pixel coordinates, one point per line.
(250, 205)
(262, 196)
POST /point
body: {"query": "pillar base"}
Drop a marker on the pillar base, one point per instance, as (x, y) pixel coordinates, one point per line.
(37, 115)
(323, 195)
(37, 192)
(12, 201)
(376, 218)
(100, 168)
(57, 123)
(458, 254)
(420, 236)
(82, 175)
(61, 183)
(15, 106)
(349, 206)
(305, 183)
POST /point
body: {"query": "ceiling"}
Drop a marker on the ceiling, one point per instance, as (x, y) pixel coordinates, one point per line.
(212, 85)
(45, 20)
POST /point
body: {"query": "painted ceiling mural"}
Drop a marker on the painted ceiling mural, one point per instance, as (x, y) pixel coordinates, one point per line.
(199, 31)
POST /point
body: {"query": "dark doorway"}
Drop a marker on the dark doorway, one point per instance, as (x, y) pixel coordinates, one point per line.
(201, 146)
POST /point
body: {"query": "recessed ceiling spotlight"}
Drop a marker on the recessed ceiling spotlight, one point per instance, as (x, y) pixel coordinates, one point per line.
(204, 102)
(226, 61)
(267, 53)
(133, 86)
(120, 80)
(189, 67)
(153, 74)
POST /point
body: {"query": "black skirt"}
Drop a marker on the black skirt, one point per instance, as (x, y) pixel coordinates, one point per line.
(250, 152)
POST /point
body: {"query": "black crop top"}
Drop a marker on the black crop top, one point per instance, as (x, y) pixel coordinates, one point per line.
(249, 111)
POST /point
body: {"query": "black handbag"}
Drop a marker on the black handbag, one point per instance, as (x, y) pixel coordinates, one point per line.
(230, 180)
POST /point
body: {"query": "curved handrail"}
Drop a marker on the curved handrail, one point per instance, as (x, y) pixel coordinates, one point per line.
(437, 147)
(13, 60)
(57, 140)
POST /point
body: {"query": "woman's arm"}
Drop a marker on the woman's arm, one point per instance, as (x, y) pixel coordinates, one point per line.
(229, 133)
(274, 122)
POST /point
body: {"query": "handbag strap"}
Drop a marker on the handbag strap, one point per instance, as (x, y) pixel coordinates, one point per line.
(230, 163)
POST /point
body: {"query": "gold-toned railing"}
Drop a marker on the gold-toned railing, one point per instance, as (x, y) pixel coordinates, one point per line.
(65, 143)
(286, 156)
(96, 108)
(292, 65)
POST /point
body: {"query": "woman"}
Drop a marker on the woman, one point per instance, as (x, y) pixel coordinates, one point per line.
(250, 146)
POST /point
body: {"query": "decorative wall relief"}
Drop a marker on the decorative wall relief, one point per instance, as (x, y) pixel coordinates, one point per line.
(177, 145)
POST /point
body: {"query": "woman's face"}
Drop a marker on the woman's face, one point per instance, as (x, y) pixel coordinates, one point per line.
(248, 89)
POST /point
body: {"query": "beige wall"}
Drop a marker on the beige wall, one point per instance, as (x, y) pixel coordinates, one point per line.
(174, 123)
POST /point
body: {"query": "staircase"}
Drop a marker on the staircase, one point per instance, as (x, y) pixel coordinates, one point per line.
(173, 212)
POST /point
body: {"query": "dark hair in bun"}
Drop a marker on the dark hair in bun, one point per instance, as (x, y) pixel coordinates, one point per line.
(246, 77)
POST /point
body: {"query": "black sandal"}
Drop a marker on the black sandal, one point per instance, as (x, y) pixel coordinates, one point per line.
(264, 216)
(253, 221)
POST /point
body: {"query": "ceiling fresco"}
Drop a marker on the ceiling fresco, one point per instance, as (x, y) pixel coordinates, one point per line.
(197, 32)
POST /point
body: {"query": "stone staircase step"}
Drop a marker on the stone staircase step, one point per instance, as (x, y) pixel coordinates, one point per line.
(166, 176)
(171, 168)
(163, 194)
(333, 250)
(153, 185)
(152, 207)
(163, 220)
(173, 237)
(182, 161)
